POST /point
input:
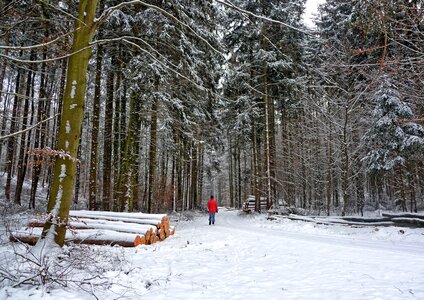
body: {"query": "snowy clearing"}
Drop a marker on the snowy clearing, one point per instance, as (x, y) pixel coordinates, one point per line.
(249, 257)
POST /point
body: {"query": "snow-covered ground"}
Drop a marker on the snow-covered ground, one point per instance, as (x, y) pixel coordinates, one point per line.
(249, 257)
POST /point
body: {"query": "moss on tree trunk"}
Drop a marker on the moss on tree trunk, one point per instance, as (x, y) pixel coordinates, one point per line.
(70, 129)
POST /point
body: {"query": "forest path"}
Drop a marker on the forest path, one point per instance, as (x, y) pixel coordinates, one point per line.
(247, 257)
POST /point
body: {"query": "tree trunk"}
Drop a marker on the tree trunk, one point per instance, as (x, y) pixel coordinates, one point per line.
(117, 127)
(107, 144)
(69, 133)
(152, 152)
(345, 167)
(3, 67)
(11, 143)
(77, 176)
(129, 161)
(194, 174)
(23, 156)
(231, 171)
(39, 134)
(92, 192)
(255, 169)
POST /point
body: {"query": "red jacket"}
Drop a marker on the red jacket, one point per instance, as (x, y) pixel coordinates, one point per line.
(212, 206)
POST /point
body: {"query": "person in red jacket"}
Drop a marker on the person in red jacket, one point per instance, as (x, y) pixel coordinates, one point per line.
(212, 209)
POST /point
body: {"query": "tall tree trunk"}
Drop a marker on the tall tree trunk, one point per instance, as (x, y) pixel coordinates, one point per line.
(77, 175)
(118, 130)
(152, 152)
(345, 167)
(107, 143)
(129, 161)
(179, 169)
(201, 167)
(23, 156)
(256, 168)
(11, 143)
(69, 133)
(92, 193)
(231, 171)
(194, 175)
(3, 67)
(39, 134)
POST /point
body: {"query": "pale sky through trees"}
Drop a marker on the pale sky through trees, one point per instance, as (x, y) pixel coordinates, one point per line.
(311, 9)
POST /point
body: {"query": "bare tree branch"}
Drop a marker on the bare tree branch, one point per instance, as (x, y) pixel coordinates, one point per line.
(27, 129)
(62, 11)
(38, 45)
(110, 10)
(235, 7)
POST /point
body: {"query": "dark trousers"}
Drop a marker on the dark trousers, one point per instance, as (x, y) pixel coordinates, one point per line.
(211, 218)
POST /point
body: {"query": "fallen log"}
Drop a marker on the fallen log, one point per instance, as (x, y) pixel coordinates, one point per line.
(83, 236)
(89, 224)
(366, 219)
(135, 215)
(155, 222)
(409, 221)
(331, 221)
(403, 215)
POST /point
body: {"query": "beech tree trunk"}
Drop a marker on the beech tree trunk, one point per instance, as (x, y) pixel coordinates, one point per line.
(69, 132)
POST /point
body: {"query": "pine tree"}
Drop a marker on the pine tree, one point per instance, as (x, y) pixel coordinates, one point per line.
(393, 137)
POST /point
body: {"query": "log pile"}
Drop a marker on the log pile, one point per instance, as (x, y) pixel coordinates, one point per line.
(249, 205)
(386, 219)
(105, 228)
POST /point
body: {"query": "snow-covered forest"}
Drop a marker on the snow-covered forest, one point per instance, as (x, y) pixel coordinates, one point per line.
(168, 102)
(153, 106)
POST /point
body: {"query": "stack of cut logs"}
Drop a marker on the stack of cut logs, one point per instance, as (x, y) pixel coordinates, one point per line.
(105, 228)
(250, 204)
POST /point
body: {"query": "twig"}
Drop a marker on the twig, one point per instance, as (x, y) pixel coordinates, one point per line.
(110, 10)
(25, 130)
(235, 7)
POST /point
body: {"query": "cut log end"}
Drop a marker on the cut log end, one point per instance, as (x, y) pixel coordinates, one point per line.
(137, 241)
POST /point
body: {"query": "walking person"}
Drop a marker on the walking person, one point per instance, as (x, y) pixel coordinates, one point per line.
(212, 209)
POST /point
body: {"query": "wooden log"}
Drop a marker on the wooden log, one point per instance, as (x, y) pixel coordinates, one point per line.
(408, 221)
(135, 215)
(84, 236)
(332, 221)
(404, 215)
(89, 224)
(366, 219)
(162, 235)
(147, 237)
(137, 241)
(106, 228)
(27, 239)
(152, 238)
(153, 221)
